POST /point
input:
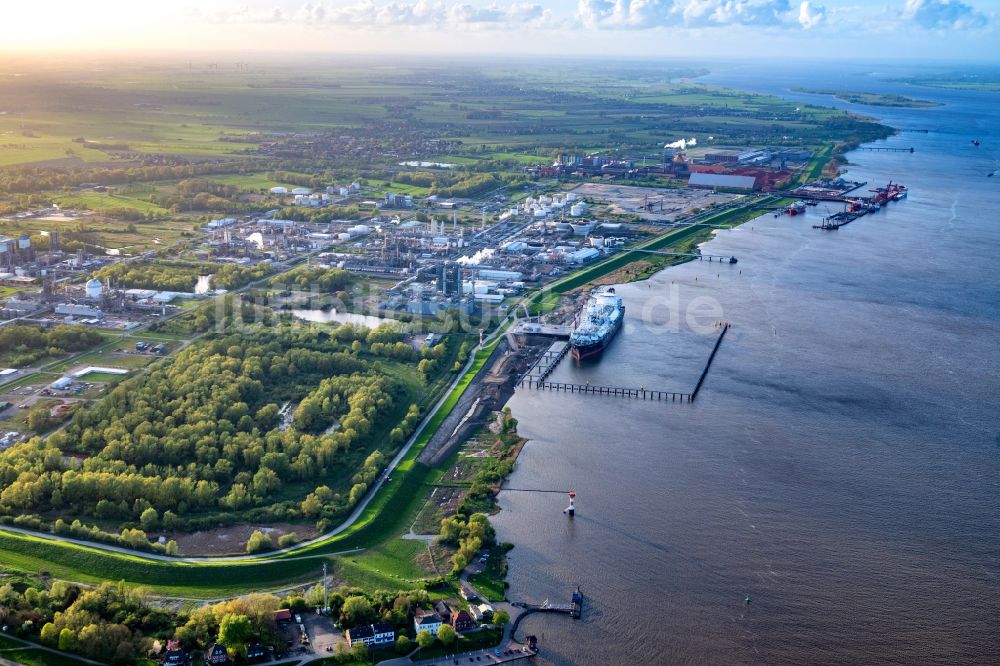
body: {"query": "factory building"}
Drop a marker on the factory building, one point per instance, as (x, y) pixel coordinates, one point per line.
(74, 310)
(722, 180)
(584, 255)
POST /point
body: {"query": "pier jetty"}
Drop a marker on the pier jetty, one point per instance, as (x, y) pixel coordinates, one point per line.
(574, 609)
(537, 377)
(640, 393)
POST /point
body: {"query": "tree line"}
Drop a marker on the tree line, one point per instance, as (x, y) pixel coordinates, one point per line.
(23, 345)
(178, 275)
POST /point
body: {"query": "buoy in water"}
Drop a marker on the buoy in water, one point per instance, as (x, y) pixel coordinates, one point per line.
(748, 599)
(571, 509)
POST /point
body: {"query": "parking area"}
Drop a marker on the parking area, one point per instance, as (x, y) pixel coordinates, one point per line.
(322, 632)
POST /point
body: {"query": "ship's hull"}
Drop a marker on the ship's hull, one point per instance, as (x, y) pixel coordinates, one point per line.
(581, 352)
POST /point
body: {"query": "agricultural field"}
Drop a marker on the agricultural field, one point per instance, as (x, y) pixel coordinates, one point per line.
(518, 114)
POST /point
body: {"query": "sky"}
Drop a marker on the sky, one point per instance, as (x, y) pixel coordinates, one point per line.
(946, 30)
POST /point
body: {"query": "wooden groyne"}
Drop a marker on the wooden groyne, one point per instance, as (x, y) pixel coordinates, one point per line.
(708, 364)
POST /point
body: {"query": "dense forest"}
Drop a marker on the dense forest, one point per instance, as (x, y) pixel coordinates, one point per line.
(201, 439)
(325, 280)
(22, 345)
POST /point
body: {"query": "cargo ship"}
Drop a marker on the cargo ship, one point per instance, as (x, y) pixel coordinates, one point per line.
(796, 208)
(598, 322)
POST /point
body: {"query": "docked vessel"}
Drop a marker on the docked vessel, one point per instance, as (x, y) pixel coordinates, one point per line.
(598, 322)
(796, 208)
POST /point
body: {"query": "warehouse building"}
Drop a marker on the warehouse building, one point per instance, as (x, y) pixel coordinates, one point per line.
(722, 181)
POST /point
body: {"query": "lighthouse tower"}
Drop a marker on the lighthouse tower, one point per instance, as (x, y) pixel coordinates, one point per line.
(571, 509)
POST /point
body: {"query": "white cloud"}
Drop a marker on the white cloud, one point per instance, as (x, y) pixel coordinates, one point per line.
(625, 14)
(242, 14)
(944, 14)
(642, 14)
(735, 12)
(809, 16)
(398, 13)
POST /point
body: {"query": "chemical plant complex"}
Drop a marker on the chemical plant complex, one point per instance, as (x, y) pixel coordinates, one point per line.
(437, 254)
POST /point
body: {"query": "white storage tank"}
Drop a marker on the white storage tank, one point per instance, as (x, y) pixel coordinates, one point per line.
(94, 289)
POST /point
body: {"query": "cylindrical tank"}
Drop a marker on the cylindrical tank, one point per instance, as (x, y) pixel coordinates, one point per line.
(94, 288)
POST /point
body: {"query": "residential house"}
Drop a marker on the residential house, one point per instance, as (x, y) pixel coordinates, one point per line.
(372, 634)
(481, 613)
(424, 620)
(384, 634)
(175, 655)
(444, 611)
(363, 634)
(216, 655)
(283, 616)
(486, 611)
(255, 651)
(461, 621)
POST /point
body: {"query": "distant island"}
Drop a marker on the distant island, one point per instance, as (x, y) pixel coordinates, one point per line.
(871, 99)
(966, 83)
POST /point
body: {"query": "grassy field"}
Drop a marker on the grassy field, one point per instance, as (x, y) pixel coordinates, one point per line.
(522, 158)
(103, 377)
(108, 357)
(30, 379)
(403, 188)
(99, 200)
(252, 181)
(33, 656)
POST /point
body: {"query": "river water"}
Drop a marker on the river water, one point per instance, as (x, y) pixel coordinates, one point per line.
(842, 462)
